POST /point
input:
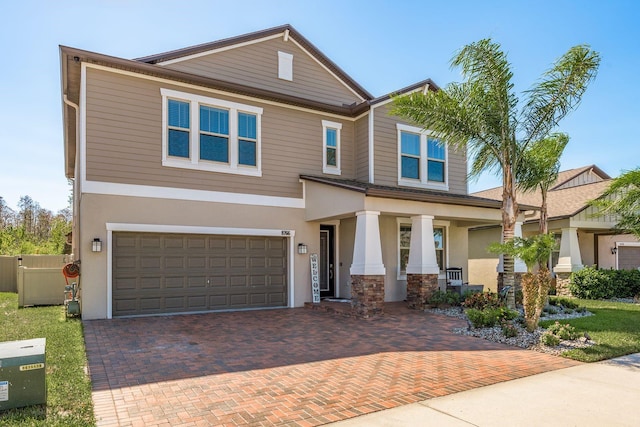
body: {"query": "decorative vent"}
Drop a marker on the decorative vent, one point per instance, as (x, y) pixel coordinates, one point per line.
(285, 66)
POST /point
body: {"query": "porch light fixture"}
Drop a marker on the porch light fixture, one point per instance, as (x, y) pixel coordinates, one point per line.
(302, 248)
(96, 245)
(614, 250)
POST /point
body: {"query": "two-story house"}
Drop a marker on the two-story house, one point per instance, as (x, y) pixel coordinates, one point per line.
(204, 178)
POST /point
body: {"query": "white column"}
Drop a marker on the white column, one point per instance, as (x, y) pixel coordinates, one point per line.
(570, 259)
(367, 250)
(422, 250)
(518, 265)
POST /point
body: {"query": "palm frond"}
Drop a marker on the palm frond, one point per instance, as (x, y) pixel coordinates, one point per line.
(558, 92)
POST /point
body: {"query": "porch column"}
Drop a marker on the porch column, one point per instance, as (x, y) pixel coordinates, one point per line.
(569, 261)
(367, 270)
(519, 267)
(422, 266)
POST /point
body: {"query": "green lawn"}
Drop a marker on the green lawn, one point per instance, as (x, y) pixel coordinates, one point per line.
(615, 327)
(68, 386)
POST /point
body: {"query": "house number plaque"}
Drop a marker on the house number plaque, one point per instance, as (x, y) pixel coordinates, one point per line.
(315, 279)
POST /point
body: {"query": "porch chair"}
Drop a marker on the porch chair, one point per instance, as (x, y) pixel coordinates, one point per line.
(454, 279)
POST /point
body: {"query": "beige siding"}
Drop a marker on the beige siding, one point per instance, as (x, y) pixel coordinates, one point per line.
(256, 65)
(362, 148)
(482, 264)
(386, 154)
(586, 177)
(124, 141)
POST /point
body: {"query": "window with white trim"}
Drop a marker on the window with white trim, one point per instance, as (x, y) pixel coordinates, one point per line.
(422, 159)
(331, 147)
(210, 134)
(404, 242)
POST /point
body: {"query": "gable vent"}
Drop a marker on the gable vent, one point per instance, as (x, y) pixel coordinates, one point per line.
(285, 66)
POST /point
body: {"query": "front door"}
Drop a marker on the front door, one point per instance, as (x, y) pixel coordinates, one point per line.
(327, 261)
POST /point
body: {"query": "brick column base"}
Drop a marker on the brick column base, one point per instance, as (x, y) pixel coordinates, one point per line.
(562, 284)
(420, 287)
(367, 296)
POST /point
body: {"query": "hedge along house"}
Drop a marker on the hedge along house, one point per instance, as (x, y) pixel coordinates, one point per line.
(583, 238)
(207, 176)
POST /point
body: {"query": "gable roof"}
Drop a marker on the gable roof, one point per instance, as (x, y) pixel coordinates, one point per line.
(72, 58)
(562, 202)
(285, 30)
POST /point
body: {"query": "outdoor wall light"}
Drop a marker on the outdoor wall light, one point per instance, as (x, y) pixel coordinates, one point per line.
(96, 245)
(302, 248)
(614, 250)
(19, 261)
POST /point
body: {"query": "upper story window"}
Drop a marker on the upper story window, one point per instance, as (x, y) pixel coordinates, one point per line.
(331, 147)
(422, 159)
(210, 134)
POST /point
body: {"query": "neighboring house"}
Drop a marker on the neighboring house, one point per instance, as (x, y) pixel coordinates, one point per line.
(208, 175)
(583, 238)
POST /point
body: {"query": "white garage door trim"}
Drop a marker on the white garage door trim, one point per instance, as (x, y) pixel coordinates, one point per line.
(188, 229)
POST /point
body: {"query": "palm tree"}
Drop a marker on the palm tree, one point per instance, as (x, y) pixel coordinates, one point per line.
(542, 160)
(621, 200)
(481, 115)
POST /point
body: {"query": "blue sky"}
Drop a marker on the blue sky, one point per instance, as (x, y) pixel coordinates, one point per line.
(384, 45)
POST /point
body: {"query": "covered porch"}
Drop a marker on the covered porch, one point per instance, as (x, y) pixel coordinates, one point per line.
(393, 244)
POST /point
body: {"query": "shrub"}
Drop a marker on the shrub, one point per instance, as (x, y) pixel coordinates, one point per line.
(549, 339)
(509, 330)
(590, 283)
(564, 302)
(482, 300)
(440, 298)
(564, 331)
(490, 317)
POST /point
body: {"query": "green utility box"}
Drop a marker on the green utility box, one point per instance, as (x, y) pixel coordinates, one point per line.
(22, 373)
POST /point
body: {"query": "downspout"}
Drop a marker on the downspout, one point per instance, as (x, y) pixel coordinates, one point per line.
(76, 197)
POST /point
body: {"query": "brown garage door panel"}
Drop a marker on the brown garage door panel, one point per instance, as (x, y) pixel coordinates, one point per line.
(628, 257)
(168, 273)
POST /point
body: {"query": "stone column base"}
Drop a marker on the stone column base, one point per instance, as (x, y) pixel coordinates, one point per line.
(562, 284)
(420, 287)
(517, 281)
(367, 296)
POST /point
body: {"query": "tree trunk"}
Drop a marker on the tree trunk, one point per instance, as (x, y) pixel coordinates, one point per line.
(544, 214)
(509, 215)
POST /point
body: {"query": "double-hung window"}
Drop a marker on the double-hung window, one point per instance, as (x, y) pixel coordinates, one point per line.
(331, 147)
(422, 159)
(210, 134)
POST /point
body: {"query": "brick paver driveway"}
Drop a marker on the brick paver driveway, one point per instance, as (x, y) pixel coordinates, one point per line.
(286, 367)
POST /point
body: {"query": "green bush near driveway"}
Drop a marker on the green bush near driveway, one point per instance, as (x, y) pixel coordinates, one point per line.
(68, 386)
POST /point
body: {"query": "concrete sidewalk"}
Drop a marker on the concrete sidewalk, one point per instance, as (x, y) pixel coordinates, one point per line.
(597, 394)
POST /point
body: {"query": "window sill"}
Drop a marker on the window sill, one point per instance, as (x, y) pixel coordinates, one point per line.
(331, 171)
(425, 185)
(186, 164)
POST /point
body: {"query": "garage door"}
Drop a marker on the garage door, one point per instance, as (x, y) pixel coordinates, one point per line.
(628, 257)
(176, 273)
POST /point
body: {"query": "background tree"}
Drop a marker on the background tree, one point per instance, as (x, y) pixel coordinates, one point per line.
(481, 115)
(622, 201)
(542, 160)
